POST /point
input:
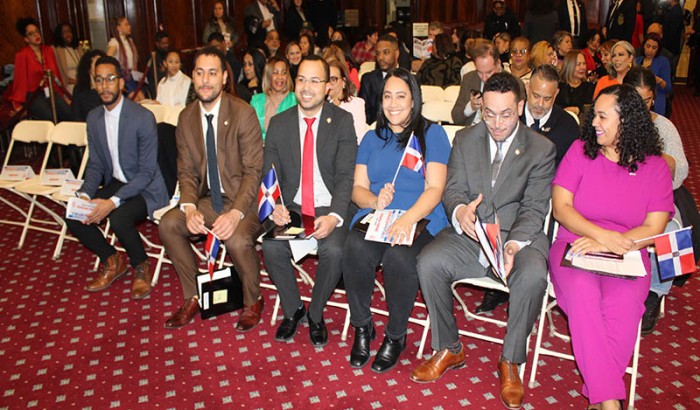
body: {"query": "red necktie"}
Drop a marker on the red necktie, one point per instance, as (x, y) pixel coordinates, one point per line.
(307, 171)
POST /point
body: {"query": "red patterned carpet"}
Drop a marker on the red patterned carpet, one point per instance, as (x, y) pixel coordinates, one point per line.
(61, 347)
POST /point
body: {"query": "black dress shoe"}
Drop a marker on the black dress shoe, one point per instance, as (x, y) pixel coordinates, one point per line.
(288, 328)
(492, 299)
(652, 307)
(359, 355)
(388, 354)
(317, 332)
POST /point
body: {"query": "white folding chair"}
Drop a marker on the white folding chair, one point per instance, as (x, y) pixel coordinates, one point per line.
(160, 112)
(451, 93)
(155, 250)
(540, 350)
(28, 131)
(438, 111)
(578, 121)
(366, 67)
(172, 114)
(451, 131)
(64, 133)
(493, 284)
(546, 312)
(432, 93)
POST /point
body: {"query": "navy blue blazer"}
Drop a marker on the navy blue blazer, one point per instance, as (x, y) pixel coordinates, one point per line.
(138, 156)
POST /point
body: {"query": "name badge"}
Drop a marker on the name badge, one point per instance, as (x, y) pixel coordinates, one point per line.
(56, 177)
(70, 186)
(17, 173)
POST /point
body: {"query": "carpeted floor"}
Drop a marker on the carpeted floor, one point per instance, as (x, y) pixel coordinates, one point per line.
(61, 347)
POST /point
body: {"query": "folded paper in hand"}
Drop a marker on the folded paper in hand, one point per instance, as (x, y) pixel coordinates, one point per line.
(489, 236)
(78, 209)
(629, 265)
(380, 222)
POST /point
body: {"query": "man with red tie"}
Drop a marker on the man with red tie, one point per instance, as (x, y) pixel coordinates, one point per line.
(313, 148)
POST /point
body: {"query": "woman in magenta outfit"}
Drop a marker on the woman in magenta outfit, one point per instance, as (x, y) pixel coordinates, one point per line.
(611, 188)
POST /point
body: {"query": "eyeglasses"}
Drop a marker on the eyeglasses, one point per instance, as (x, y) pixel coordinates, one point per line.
(334, 79)
(110, 79)
(314, 81)
(384, 52)
(32, 33)
(491, 118)
(522, 51)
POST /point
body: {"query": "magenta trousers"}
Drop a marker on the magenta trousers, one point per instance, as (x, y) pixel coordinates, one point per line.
(603, 314)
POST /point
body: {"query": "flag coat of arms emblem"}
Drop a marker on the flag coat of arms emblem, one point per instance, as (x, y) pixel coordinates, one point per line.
(674, 252)
(268, 194)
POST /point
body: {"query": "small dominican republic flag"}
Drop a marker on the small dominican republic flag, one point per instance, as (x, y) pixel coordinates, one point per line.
(412, 157)
(211, 251)
(268, 194)
(674, 251)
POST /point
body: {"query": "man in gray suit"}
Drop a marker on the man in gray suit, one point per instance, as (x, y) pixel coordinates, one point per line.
(312, 147)
(499, 167)
(467, 108)
(123, 145)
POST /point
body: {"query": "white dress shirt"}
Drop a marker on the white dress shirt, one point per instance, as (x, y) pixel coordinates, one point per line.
(529, 119)
(112, 129)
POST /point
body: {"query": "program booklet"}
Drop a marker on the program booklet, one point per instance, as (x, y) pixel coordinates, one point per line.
(492, 245)
(629, 265)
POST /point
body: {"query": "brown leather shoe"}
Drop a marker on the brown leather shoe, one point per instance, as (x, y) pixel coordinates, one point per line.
(435, 367)
(250, 317)
(184, 315)
(512, 390)
(142, 281)
(112, 270)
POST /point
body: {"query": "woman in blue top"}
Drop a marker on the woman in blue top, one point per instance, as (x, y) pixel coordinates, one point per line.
(378, 158)
(660, 66)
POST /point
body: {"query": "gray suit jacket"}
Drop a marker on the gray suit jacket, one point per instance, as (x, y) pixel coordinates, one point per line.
(470, 81)
(336, 148)
(138, 155)
(522, 191)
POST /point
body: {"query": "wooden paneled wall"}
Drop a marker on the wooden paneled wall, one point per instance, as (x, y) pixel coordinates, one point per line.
(185, 19)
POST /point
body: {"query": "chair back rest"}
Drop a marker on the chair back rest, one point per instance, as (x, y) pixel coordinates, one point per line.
(437, 111)
(173, 114)
(32, 131)
(432, 93)
(70, 133)
(159, 111)
(578, 120)
(451, 131)
(29, 131)
(451, 93)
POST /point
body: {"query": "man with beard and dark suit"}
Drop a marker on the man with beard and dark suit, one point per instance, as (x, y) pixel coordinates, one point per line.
(387, 52)
(312, 147)
(619, 24)
(498, 167)
(220, 157)
(123, 145)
